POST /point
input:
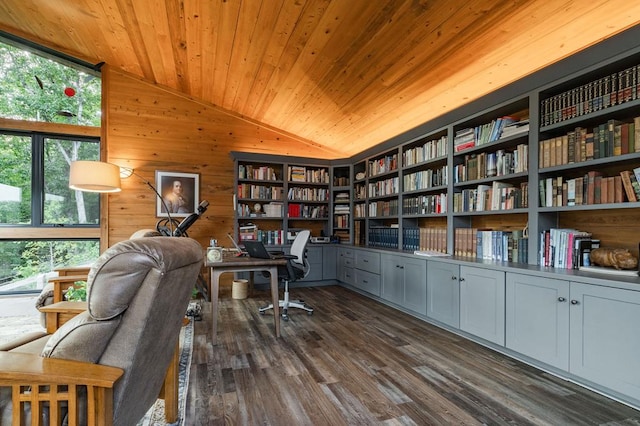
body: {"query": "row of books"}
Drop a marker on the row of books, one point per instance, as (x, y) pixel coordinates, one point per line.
(249, 171)
(592, 188)
(271, 238)
(341, 181)
(360, 191)
(498, 196)
(261, 192)
(384, 208)
(475, 136)
(425, 179)
(420, 238)
(490, 164)
(248, 232)
(612, 89)
(565, 248)
(308, 194)
(605, 140)
(495, 245)
(341, 221)
(425, 204)
(360, 210)
(430, 150)
(304, 174)
(383, 236)
(384, 187)
(385, 164)
(307, 211)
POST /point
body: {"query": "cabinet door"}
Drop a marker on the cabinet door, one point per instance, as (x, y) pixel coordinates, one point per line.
(537, 318)
(314, 257)
(482, 303)
(392, 278)
(443, 293)
(329, 263)
(604, 336)
(415, 285)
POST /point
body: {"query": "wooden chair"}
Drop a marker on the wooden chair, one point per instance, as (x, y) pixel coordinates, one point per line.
(108, 364)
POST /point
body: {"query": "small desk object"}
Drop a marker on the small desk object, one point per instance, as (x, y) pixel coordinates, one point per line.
(243, 264)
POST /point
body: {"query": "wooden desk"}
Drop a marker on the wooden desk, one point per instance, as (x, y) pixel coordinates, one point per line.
(244, 264)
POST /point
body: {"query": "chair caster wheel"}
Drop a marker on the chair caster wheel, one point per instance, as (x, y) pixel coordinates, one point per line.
(285, 317)
(262, 312)
(310, 313)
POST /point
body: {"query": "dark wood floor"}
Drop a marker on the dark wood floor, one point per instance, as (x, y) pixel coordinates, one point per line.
(358, 362)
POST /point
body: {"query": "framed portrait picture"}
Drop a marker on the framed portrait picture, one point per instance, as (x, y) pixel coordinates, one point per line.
(180, 192)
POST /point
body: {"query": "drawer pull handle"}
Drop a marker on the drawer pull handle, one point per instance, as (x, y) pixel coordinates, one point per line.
(461, 279)
(453, 277)
(561, 299)
(575, 302)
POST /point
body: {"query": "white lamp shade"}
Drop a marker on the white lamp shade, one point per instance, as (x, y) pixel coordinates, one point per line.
(94, 176)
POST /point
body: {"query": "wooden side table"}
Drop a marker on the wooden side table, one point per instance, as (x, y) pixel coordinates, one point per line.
(61, 312)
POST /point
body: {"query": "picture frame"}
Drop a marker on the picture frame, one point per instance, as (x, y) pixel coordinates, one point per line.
(180, 192)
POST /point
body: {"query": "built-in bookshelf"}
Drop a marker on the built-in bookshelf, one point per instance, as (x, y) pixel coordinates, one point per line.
(498, 170)
(273, 199)
(341, 203)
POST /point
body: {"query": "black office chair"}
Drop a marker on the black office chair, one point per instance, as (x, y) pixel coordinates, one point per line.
(297, 268)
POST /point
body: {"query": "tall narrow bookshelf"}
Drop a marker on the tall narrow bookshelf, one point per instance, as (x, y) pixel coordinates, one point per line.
(491, 184)
(425, 179)
(341, 203)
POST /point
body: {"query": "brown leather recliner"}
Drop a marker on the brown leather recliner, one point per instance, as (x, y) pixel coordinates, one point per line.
(138, 292)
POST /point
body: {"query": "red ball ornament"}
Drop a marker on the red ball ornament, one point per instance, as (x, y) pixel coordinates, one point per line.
(70, 91)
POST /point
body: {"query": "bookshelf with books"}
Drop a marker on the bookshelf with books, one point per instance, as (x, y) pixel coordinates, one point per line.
(276, 195)
(360, 203)
(383, 200)
(341, 203)
(491, 182)
(425, 180)
(588, 155)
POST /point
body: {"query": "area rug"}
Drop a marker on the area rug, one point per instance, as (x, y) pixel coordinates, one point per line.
(155, 415)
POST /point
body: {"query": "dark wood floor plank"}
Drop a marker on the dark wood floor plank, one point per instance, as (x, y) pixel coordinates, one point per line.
(359, 362)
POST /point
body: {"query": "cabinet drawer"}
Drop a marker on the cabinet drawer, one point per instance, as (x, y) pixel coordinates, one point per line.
(345, 252)
(346, 275)
(367, 281)
(368, 261)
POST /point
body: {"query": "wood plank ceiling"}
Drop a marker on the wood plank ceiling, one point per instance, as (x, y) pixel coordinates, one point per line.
(347, 74)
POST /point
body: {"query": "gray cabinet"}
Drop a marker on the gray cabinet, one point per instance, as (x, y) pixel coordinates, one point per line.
(314, 258)
(482, 302)
(329, 262)
(443, 292)
(366, 271)
(537, 318)
(392, 278)
(604, 337)
(345, 264)
(404, 282)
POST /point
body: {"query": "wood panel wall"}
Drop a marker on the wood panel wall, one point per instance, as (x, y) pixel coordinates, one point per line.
(149, 127)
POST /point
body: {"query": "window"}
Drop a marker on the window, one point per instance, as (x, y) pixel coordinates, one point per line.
(25, 265)
(43, 223)
(36, 88)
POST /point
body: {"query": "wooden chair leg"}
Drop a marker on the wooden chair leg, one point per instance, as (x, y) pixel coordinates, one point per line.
(170, 386)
